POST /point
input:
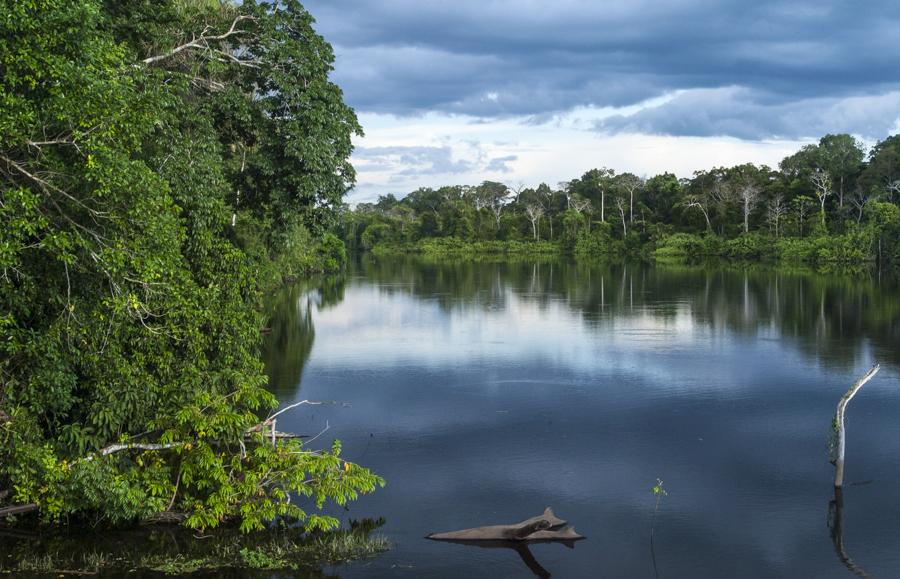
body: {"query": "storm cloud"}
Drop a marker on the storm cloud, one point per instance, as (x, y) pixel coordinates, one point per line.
(747, 70)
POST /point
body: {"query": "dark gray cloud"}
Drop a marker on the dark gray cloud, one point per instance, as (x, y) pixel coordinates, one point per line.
(498, 58)
(746, 114)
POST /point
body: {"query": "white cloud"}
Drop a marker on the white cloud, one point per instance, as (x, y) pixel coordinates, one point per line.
(562, 148)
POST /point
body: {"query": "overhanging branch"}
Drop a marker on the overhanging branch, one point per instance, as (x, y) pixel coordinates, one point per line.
(202, 41)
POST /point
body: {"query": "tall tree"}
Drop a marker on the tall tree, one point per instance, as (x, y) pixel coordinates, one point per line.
(775, 212)
(882, 174)
(595, 184)
(842, 157)
(494, 196)
(629, 183)
(534, 211)
(821, 180)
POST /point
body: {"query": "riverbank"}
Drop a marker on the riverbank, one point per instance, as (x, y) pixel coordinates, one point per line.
(855, 248)
(452, 246)
(175, 551)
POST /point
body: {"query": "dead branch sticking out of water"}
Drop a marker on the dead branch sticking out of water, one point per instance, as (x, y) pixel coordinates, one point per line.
(839, 424)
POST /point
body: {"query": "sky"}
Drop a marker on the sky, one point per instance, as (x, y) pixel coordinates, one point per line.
(524, 92)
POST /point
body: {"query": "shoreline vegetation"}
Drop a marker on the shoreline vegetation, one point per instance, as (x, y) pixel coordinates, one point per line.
(826, 251)
(454, 247)
(176, 551)
(832, 203)
(163, 166)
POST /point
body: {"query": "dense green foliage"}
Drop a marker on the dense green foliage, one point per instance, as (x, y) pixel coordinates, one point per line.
(829, 202)
(159, 161)
(452, 246)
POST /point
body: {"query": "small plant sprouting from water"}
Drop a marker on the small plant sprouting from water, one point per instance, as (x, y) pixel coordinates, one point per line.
(659, 492)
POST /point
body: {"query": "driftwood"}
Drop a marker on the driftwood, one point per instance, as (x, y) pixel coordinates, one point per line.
(544, 527)
(17, 510)
(839, 424)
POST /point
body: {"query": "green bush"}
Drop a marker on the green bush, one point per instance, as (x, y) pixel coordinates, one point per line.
(437, 246)
(374, 234)
(796, 250)
(599, 242)
(680, 245)
(750, 246)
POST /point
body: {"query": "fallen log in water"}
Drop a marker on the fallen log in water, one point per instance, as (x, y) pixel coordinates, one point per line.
(544, 527)
(17, 510)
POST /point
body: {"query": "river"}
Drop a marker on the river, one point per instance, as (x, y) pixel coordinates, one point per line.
(484, 391)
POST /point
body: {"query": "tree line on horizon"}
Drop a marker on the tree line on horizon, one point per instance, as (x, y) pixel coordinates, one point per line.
(826, 188)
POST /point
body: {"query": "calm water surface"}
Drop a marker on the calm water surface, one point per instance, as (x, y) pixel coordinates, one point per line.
(484, 392)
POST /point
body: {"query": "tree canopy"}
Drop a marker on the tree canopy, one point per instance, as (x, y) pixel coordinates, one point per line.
(155, 159)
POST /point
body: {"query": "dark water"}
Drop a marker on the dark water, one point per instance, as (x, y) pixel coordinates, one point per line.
(484, 392)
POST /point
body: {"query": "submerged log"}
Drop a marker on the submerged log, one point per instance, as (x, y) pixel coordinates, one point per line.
(544, 527)
(566, 534)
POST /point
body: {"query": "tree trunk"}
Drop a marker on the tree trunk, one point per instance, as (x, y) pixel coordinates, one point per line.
(237, 199)
(746, 215)
(841, 193)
